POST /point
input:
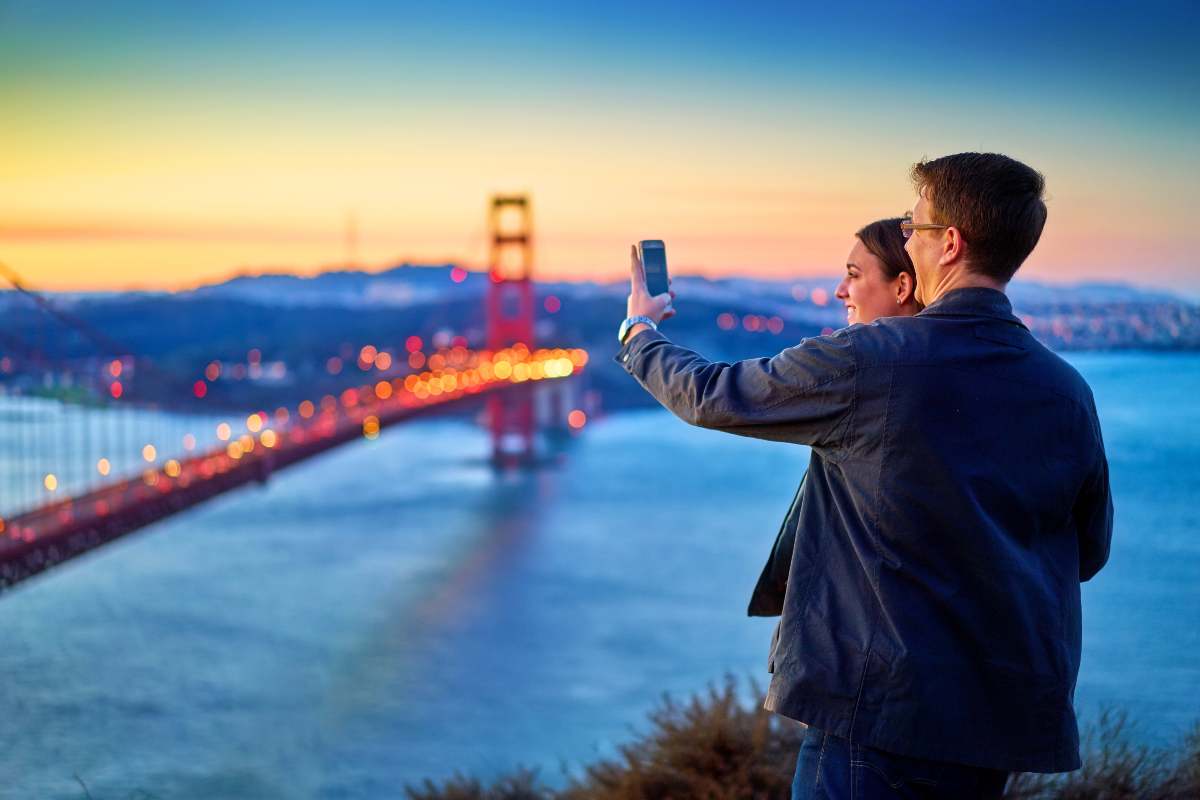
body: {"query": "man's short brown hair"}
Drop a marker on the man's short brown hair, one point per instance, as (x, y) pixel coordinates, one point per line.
(995, 201)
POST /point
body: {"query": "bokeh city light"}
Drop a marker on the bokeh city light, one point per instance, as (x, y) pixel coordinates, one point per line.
(366, 409)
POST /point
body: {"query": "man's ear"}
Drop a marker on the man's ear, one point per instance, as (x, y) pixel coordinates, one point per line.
(954, 247)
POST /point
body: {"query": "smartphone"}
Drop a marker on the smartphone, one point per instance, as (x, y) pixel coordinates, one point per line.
(654, 261)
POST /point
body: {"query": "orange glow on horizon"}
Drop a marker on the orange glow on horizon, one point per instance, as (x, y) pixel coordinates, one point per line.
(792, 223)
(1061, 257)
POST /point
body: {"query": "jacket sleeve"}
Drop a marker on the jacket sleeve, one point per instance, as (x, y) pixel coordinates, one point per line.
(804, 395)
(1093, 513)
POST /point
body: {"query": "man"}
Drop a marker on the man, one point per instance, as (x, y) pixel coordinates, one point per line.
(956, 495)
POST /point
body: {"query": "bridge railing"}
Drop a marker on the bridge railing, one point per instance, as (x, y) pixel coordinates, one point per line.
(187, 450)
(53, 447)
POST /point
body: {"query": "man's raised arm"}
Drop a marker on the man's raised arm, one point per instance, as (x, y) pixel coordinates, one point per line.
(803, 395)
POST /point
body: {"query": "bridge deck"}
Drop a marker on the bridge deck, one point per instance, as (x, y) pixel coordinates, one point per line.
(53, 534)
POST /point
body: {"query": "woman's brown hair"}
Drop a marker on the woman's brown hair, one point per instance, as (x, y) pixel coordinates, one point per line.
(885, 240)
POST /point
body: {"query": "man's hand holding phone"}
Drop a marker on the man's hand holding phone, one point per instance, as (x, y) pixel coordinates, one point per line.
(641, 303)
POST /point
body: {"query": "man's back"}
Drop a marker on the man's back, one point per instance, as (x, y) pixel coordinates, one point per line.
(956, 495)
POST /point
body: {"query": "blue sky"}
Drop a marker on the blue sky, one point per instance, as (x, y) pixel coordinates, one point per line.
(756, 137)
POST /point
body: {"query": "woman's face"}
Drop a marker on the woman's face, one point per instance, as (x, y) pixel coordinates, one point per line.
(867, 292)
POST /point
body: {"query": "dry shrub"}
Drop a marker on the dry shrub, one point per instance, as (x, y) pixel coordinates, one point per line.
(522, 785)
(1116, 769)
(712, 748)
(716, 748)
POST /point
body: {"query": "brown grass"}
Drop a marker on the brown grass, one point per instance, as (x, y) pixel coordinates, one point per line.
(716, 748)
(1114, 768)
(522, 785)
(713, 748)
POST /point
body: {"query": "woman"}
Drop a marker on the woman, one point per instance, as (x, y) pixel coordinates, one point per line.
(880, 282)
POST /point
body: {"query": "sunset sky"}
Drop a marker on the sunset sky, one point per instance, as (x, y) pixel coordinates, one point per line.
(172, 144)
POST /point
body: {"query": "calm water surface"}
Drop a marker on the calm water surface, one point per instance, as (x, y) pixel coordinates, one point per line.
(396, 610)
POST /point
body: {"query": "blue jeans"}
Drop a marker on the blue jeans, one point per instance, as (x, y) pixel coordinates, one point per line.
(831, 768)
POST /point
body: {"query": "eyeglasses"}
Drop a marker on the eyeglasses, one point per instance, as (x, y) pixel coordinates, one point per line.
(908, 226)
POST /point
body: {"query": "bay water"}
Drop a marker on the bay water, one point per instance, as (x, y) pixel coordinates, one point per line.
(397, 610)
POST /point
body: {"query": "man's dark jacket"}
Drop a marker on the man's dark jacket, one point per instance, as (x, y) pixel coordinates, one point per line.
(956, 496)
(767, 598)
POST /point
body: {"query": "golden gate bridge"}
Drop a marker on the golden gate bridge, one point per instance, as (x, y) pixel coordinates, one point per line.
(85, 458)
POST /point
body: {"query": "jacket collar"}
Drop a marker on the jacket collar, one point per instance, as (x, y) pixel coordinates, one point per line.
(972, 302)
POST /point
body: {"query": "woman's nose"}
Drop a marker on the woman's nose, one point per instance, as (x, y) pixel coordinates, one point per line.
(841, 293)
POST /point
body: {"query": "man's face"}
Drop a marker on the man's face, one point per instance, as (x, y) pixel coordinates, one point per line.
(925, 250)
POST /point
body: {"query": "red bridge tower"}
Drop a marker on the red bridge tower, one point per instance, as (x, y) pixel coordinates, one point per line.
(510, 318)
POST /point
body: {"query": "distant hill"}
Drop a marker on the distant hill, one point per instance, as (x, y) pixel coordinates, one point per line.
(399, 287)
(303, 322)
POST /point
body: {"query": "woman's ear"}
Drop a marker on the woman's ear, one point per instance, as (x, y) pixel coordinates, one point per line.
(904, 288)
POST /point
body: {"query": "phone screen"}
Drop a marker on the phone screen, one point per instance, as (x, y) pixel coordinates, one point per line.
(654, 261)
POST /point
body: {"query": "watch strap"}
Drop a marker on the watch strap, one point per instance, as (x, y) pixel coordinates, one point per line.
(629, 323)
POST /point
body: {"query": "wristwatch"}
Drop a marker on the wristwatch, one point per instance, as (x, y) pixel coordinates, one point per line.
(629, 323)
